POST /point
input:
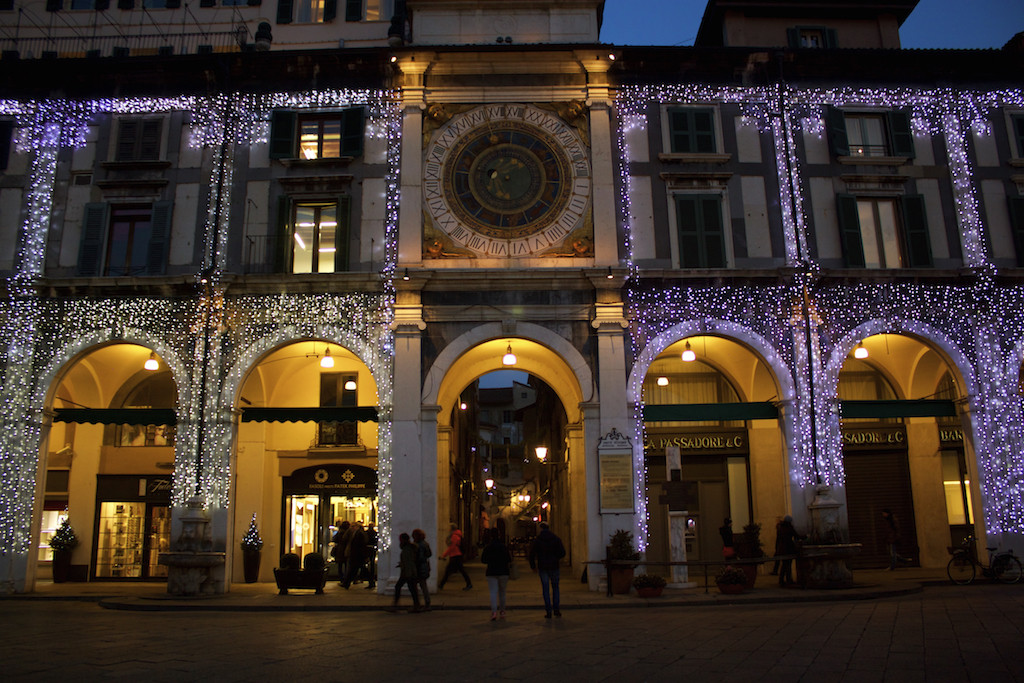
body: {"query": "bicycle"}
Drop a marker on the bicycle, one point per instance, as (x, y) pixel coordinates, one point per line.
(962, 568)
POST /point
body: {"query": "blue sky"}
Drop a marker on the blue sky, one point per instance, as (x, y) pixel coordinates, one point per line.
(932, 24)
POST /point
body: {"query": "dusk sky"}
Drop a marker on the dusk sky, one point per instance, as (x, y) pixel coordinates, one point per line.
(932, 24)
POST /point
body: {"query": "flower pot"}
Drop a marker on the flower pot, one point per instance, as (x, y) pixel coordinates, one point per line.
(731, 588)
(621, 579)
(751, 571)
(649, 591)
(251, 565)
(61, 565)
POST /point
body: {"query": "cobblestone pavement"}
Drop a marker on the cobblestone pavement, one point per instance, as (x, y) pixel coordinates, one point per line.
(944, 633)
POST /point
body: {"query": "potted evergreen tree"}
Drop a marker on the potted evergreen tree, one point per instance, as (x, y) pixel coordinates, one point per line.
(62, 543)
(620, 552)
(649, 585)
(252, 546)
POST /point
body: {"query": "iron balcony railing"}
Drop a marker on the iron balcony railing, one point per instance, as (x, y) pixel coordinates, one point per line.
(138, 45)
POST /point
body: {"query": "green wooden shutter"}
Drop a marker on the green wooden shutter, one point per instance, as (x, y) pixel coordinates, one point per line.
(901, 137)
(793, 37)
(101, 5)
(352, 127)
(679, 131)
(353, 10)
(704, 130)
(284, 11)
(330, 10)
(54, 5)
(915, 232)
(159, 238)
(283, 241)
(282, 134)
(1017, 221)
(837, 140)
(149, 140)
(688, 222)
(127, 136)
(849, 230)
(6, 132)
(1018, 127)
(831, 38)
(126, 4)
(94, 230)
(713, 251)
(343, 234)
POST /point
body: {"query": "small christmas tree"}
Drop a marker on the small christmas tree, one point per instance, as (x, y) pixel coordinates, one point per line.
(252, 540)
(65, 538)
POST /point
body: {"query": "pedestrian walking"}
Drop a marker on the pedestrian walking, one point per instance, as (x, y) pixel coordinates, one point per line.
(356, 554)
(499, 566)
(406, 572)
(545, 556)
(728, 544)
(892, 538)
(453, 552)
(789, 537)
(423, 553)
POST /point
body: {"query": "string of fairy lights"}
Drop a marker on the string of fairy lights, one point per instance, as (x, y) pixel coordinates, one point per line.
(959, 319)
(40, 336)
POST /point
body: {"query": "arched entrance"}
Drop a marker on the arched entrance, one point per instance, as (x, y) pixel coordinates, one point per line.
(904, 451)
(713, 400)
(110, 463)
(307, 447)
(539, 405)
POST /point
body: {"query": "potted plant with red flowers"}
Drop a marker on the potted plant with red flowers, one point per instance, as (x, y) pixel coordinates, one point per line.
(649, 585)
(731, 580)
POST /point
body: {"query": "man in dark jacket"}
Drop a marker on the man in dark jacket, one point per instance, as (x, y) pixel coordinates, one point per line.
(545, 555)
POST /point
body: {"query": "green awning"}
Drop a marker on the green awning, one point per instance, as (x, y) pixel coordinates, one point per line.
(318, 414)
(877, 409)
(700, 412)
(117, 416)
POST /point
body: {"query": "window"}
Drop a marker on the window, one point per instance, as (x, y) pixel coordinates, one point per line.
(317, 234)
(316, 136)
(701, 237)
(138, 139)
(1018, 133)
(334, 394)
(692, 131)
(124, 239)
(6, 5)
(1017, 221)
(376, 10)
(880, 232)
(870, 134)
(813, 37)
(6, 135)
(306, 11)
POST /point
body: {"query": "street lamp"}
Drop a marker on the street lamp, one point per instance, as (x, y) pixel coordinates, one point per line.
(542, 453)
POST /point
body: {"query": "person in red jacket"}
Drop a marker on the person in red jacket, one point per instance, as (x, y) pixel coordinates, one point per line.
(454, 554)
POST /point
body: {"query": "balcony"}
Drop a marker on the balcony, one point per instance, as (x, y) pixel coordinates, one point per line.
(139, 45)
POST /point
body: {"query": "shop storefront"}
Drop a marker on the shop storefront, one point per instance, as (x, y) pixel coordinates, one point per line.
(878, 478)
(132, 526)
(715, 476)
(317, 499)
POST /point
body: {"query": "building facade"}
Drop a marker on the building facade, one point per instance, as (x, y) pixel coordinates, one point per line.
(732, 278)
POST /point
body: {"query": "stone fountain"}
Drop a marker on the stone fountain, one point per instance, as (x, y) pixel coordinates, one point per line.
(824, 557)
(190, 565)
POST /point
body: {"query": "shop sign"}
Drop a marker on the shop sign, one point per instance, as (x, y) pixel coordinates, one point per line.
(951, 435)
(875, 438)
(128, 487)
(339, 479)
(734, 441)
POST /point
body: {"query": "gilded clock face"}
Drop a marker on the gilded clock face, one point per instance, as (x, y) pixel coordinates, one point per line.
(507, 180)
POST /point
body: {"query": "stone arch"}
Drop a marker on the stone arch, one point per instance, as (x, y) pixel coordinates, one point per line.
(556, 362)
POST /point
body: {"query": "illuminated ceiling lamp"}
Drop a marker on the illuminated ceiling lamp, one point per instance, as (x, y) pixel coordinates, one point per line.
(489, 483)
(688, 355)
(542, 453)
(350, 385)
(509, 358)
(327, 362)
(151, 363)
(860, 353)
(663, 381)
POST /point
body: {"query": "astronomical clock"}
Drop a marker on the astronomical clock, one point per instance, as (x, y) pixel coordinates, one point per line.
(507, 181)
